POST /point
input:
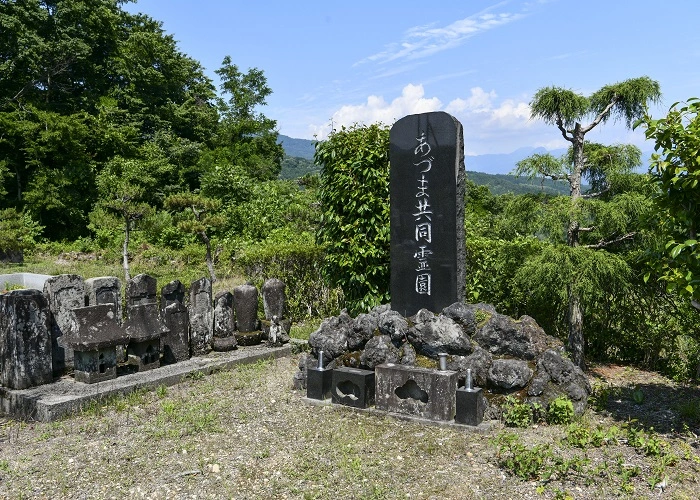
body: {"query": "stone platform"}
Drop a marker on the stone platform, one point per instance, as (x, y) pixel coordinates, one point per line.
(50, 402)
(485, 427)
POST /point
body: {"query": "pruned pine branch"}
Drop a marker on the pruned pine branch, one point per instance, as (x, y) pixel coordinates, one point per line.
(586, 229)
(607, 243)
(601, 116)
(588, 196)
(560, 125)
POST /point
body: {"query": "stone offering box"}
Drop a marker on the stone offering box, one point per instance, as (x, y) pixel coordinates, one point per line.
(353, 387)
(421, 392)
(95, 337)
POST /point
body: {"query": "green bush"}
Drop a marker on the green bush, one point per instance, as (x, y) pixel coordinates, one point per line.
(298, 263)
(516, 413)
(560, 411)
(355, 213)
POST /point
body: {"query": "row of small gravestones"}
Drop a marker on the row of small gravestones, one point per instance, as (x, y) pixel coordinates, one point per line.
(77, 325)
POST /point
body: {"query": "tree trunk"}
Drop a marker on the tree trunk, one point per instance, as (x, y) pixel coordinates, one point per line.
(125, 251)
(575, 344)
(576, 341)
(210, 261)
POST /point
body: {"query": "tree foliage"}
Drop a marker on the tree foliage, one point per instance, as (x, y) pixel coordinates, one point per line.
(566, 109)
(354, 227)
(675, 171)
(197, 215)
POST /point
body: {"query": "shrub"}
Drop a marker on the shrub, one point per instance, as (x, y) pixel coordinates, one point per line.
(297, 263)
(516, 413)
(355, 213)
(560, 411)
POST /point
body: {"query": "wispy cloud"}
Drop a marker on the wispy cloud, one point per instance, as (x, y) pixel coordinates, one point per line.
(423, 41)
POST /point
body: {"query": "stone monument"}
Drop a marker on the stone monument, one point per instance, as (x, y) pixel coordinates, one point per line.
(427, 213)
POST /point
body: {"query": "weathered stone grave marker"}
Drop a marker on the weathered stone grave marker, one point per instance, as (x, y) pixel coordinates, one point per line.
(104, 290)
(427, 213)
(175, 345)
(64, 293)
(25, 339)
(201, 317)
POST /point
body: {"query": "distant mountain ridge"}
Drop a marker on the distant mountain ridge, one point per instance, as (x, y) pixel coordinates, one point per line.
(301, 148)
(497, 163)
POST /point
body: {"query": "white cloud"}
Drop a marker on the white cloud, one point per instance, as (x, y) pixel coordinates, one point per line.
(376, 109)
(423, 41)
(492, 125)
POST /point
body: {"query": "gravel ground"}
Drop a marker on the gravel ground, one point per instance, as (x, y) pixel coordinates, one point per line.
(247, 434)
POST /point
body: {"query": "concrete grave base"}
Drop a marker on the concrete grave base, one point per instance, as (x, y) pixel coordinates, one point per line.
(483, 428)
(416, 391)
(52, 401)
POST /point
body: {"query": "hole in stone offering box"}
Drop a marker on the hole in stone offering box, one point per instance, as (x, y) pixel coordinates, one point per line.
(102, 365)
(347, 389)
(150, 355)
(412, 390)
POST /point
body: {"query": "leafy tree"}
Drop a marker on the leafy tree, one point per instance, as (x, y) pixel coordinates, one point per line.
(122, 186)
(354, 227)
(82, 82)
(566, 109)
(248, 137)
(18, 232)
(675, 171)
(199, 217)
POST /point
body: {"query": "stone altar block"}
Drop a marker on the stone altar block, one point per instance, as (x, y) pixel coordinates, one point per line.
(353, 387)
(411, 390)
(470, 406)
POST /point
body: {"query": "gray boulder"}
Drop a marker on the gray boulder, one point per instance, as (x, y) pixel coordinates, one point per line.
(393, 324)
(363, 329)
(407, 354)
(509, 373)
(523, 338)
(379, 350)
(478, 361)
(332, 336)
(559, 376)
(469, 316)
(432, 334)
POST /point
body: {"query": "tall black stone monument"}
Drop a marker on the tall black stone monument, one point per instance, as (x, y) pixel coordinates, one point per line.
(427, 213)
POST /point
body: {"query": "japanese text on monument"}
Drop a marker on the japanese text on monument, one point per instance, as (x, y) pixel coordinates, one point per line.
(423, 216)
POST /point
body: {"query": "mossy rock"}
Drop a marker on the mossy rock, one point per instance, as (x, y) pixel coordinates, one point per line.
(249, 338)
(426, 362)
(349, 359)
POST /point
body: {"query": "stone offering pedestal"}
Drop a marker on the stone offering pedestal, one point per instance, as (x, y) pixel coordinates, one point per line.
(416, 391)
(470, 406)
(318, 383)
(353, 387)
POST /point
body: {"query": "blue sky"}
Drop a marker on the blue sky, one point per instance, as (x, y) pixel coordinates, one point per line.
(367, 61)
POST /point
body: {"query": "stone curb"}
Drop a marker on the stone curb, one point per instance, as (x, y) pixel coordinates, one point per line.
(50, 402)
